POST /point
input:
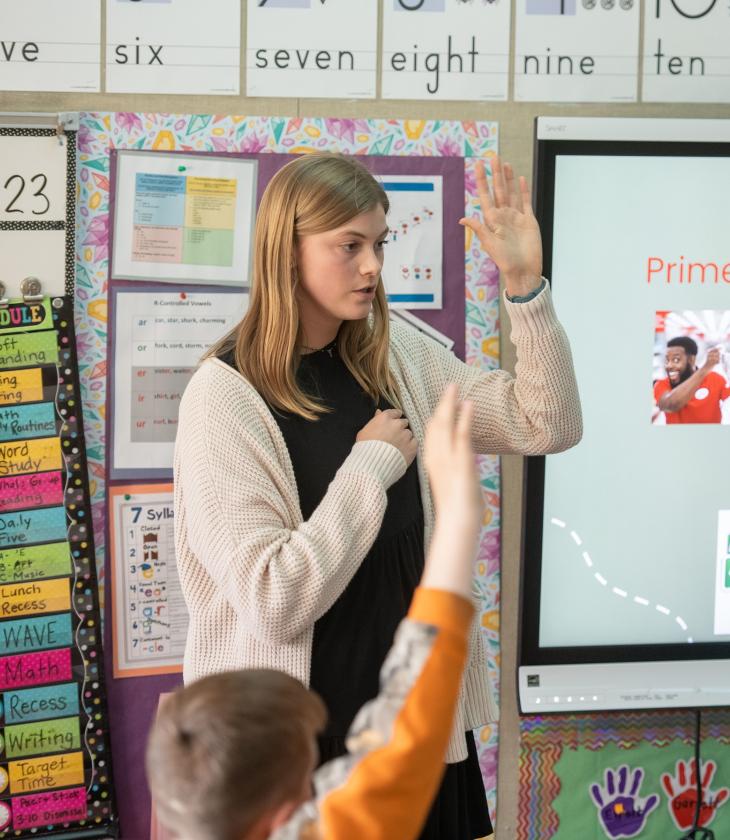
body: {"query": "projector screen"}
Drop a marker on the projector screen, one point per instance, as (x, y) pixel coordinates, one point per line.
(626, 549)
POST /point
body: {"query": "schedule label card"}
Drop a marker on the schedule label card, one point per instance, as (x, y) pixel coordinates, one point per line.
(307, 48)
(445, 49)
(576, 50)
(686, 51)
(173, 46)
(50, 45)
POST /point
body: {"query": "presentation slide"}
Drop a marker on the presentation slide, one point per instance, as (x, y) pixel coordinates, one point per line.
(636, 528)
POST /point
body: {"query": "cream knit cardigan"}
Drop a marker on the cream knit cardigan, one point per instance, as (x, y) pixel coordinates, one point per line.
(256, 576)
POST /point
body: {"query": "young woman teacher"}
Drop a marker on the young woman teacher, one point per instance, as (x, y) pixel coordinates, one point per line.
(302, 509)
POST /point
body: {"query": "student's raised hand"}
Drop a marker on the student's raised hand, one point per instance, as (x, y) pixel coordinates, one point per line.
(452, 472)
(507, 229)
(450, 463)
(392, 427)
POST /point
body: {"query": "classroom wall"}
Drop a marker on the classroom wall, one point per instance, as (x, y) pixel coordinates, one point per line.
(516, 121)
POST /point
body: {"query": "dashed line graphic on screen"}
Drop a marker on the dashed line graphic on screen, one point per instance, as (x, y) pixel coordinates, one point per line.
(616, 590)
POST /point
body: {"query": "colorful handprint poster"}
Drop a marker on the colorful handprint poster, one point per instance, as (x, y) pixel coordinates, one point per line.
(647, 791)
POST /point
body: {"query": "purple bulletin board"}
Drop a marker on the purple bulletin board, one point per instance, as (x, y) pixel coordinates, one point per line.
(469, 317)
(448, 320)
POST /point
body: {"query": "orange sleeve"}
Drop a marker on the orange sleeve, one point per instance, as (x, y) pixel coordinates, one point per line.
(399, 740)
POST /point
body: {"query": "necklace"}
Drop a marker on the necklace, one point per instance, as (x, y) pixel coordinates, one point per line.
(328, 348)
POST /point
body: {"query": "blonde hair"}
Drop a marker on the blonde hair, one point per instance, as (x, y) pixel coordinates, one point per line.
(312, 194)
(230, 749)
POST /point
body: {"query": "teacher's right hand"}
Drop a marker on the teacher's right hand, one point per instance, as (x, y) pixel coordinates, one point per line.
(392, 427)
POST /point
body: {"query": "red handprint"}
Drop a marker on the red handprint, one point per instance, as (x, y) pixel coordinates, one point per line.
(682, 792)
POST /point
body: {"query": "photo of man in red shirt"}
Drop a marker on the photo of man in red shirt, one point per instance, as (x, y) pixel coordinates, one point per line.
(690, 394)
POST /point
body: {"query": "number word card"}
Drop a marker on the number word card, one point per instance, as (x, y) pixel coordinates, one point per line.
(577, 50)
(445, 49)
(310, 48)
(50, 45)
(185, 46)
(686, 51)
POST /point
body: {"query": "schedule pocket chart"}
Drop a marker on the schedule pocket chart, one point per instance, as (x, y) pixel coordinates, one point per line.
(53, 732)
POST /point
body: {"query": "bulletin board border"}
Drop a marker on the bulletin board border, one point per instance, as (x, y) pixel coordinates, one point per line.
(101, 132)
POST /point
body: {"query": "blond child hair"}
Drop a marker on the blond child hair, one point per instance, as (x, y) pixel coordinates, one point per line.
(232, 747)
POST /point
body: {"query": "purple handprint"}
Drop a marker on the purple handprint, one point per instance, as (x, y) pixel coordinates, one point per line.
(623, 812)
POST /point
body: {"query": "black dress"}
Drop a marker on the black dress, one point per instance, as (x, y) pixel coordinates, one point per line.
(352, 639)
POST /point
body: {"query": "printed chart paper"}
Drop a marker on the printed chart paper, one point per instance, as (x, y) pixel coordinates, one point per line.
(307, 48)
(158, 339)
(183, 218)
(686, 51)
(413, 269)
(445, 49)
(54, 734)
(50, 45)
(150, 621)
(173, 46)
(576, 50)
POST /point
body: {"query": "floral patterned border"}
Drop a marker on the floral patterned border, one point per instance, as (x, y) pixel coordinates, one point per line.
(100, 132)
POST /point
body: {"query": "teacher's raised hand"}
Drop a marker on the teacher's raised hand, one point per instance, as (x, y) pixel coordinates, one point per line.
(507, 228)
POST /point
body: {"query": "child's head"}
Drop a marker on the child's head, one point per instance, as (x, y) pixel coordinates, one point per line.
(303, 269)
(231, 755)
